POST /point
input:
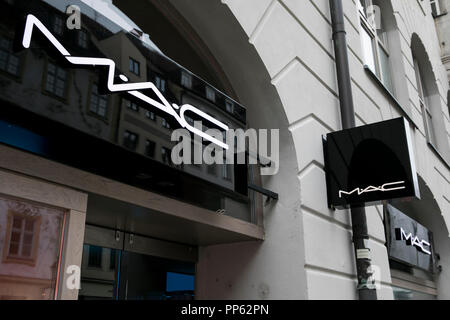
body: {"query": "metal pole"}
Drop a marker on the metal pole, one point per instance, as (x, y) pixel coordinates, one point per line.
(365, 288)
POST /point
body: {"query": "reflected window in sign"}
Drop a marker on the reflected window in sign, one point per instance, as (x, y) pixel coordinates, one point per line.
(150, 115)
(134, 67)
(150, 148)
(130, 140)
(210, 94)
(58, 25)
(30, 237)
(160, 83)
(177, 282)
(56, 80)
(186, 80)
(99, 103)
(9, 62)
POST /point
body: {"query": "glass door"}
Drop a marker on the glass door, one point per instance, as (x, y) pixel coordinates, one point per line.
(123, 266)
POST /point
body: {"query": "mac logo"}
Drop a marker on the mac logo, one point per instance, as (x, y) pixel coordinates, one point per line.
(387, 187)
(130, 88)
(401, 235)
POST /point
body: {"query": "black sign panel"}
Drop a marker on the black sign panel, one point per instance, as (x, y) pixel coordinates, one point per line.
(368, 164)
(408, 241)
(104, 99)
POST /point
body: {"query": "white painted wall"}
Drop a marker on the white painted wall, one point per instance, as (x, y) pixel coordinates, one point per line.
(279, 57)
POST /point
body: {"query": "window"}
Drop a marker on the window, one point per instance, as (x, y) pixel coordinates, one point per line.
(58, 25)
(99, 103)
(95, 257)
(424, 105)
(166, 155)
(150, 115)
(130, 140)
(135, 67)
(374, 41)
(165, 124)
(83, 39)
(56, 80)
(9, 62)
(30, 238)
(131, 105)
(150, 148)
(210, 94)
(436, 8)
(229, 106)
(186, 80)
(160, 83)
(24, 237)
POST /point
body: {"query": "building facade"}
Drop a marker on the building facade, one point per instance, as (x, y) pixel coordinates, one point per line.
(126, 219)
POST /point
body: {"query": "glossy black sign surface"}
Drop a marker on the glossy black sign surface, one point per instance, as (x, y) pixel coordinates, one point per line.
(66, 112)
(368, 164)
(416, 251)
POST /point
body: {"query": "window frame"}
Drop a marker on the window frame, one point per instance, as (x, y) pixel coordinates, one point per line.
(10, 52)
(379, 44)
(130, 133)
(66, 81)
(150, 115)
(129, 105)
(83, 42)
(437, 8)
(160, 83)
(148, 143)
(210, 94)
(17, 259)
(132, 63)
(186, 79)
(165, 124)
(58, 21)
(166, 155)
(99, 97)
(425, 107)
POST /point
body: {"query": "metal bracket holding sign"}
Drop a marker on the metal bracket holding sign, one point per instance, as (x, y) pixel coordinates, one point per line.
(368, 164)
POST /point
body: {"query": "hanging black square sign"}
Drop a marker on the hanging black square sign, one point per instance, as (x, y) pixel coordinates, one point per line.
(369, 164)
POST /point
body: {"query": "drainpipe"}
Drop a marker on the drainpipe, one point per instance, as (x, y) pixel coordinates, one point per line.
(366, 290)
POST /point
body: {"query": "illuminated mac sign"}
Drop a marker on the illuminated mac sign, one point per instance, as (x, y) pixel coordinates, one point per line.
(131, 88)
(368, 164)
(411, 240)
(408, 241)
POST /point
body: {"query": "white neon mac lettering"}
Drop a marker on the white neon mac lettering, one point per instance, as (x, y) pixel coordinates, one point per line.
(401, 235)
(130, 88)
(387, 187)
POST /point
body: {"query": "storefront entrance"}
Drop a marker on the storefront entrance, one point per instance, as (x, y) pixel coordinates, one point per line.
(122, 266)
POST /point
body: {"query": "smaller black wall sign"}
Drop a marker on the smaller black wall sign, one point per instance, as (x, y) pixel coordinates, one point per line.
(408, 241)
(368, 164)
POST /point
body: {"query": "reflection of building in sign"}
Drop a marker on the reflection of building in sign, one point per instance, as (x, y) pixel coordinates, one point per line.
(33, 23)
(99, 118)
(29, 250)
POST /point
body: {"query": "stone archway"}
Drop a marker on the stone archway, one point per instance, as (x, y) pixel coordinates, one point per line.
(275, 267)
(428, 212)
